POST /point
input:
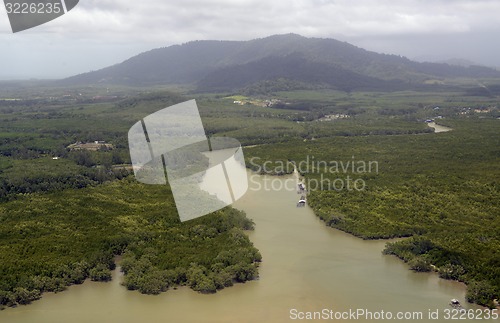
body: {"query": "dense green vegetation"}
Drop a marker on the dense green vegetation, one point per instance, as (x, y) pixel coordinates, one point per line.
(53, 240)
(45, 175)
(64, 220)
(441, 190)
(208, 254)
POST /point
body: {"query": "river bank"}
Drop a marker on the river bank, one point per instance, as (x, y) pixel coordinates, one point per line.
(306, 266)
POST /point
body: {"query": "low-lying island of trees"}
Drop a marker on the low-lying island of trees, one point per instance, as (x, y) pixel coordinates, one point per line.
(53, 240)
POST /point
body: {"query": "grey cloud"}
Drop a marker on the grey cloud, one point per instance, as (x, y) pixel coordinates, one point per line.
(222, 18)
(379, 25)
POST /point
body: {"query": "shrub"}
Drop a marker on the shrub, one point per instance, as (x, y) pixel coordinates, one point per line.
(100, 273)
(420, 264)
(480, 292)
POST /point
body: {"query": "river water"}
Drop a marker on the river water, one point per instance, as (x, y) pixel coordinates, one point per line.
(306, 266)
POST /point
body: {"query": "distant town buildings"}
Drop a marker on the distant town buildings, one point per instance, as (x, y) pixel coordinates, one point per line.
(332, 117)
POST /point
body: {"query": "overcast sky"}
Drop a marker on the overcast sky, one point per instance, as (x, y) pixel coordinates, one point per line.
(99, 33)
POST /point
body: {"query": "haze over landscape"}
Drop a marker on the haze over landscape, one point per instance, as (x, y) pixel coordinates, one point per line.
(367, 131)
(97, 34)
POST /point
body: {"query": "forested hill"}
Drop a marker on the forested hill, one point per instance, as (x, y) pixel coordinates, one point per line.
(296, 69)
(201, 62)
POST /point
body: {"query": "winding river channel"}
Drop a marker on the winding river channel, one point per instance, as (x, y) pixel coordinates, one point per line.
(306, 267)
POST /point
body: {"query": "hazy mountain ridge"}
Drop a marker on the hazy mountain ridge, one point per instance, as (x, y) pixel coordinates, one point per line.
(293, 67)
(225, 65)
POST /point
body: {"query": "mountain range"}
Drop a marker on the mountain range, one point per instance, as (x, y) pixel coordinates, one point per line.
(283, 59)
